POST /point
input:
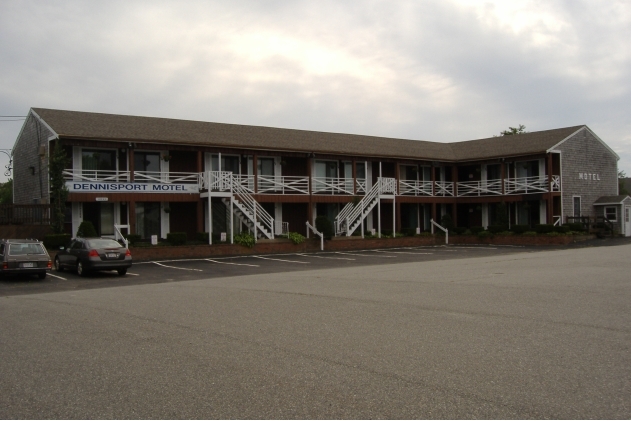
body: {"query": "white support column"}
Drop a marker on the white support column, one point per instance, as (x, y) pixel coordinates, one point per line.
(543, 213)
(210, 220)
(379, 215)
(394, 213)
(77, 217)
(485, 215)
(231, 220)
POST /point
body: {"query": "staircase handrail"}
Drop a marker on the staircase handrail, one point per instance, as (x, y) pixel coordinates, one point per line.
(260, 214)
(358, 210)
(118, 233)
(315, 231)
(340, 219)
(433, 223)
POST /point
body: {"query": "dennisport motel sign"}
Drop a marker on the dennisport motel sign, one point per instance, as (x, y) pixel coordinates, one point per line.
(93, 187)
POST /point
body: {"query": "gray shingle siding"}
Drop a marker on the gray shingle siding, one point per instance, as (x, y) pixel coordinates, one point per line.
(589, 170)
(31, 188)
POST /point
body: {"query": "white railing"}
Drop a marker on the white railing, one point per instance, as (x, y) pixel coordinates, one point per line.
(257, 214)
(555, 184)
(557, 220)
(415, 188)
(356, 215)
(360, 185)
(340, 219)
(444, 188)
(118, 233)
(332, 185)
(217, 181)
(245, 181)
(166, 177)
(283, 185)
(524, 185)
(388, 185)
(316, 232)
(98, 175)
(479, 188)
(434, 224)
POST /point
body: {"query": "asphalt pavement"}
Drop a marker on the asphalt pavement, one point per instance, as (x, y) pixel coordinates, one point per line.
(455, 333)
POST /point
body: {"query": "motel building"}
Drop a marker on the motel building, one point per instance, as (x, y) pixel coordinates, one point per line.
(155, 175)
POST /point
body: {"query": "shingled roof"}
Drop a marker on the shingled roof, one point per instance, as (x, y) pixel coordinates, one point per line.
(113, 127)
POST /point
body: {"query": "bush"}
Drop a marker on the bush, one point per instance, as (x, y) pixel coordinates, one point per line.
(562, 229)
(325, 226)
(496, 229)
(296, 238)
(520, 229)
(244, 239)
(86, 229)
(54, 241)
(202, 237)
(575, 226)
(485, 234)
(529, 234)
(476, 230)
(408, 232)
(544, 228)
(467, 232)
(133, 238)
(459, 230)
(176, 238)
(447, 222)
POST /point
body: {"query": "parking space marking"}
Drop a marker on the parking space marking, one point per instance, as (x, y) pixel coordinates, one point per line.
(56, 276)
(280, 260)
(175, 267)
(399, 252)
(361, 255)
(325, 257)
(459, 247)
(228, 263)
(132, 274)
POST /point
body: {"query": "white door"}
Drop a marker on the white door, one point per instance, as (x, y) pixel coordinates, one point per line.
(627, 221)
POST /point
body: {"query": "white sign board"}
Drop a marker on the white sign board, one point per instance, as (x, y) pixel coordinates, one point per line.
(223, 237)
(98, 187)
(154, 240)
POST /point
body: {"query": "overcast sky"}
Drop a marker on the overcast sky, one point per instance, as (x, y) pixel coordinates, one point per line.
(429, 70)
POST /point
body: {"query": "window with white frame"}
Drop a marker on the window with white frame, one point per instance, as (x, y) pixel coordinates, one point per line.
(611, 213)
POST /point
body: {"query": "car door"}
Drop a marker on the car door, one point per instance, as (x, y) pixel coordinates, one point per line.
(75, 252)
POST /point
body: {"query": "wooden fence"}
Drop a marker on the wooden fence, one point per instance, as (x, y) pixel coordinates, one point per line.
(25, 214)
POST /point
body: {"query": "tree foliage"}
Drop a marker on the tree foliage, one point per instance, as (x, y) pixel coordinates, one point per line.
(59, 193)
(621, 183)
(6, 192)
(521, 129)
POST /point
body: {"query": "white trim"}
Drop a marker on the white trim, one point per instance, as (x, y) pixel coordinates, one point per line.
(593, 134)
(579, 208)
(615, 208)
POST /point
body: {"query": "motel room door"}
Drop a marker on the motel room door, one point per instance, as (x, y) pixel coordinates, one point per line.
(627, 221)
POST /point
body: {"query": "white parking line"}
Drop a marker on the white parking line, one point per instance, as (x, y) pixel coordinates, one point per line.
(58, 277)
(361, 255)
(175, 267)
(398, 252)
(325, 257)
(228, 263)
(459, 247)
(133, 274)
(280, 260)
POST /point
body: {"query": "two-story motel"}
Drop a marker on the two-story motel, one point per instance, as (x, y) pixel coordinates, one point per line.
(160, 175)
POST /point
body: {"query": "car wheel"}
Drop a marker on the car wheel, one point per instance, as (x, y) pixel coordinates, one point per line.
(42, 275)
(122, 272)
(81, 270)
(58, 266)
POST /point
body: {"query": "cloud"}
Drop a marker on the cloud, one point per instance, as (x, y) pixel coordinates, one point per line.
(442, 71)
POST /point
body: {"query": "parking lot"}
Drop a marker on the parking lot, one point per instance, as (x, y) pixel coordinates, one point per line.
(423, 332)
(176, 270)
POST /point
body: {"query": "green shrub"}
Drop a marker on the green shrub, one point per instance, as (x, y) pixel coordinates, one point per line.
(529, 234)
(467, 232)
(386, 233)
(476, 230)
(562, 229)
(54, 241)
(496, 229)
(485, 234)
(296, 238)
(425, 234)
(86, 229)
(447, 222)
(459, 230)
(575, 226)
(202, 237)
(325, 226)
(244, 239)
(506, 233)
(544, 228)
(176, 238)
(519, 229)
(553, 234)
(133, 238)
(408, 232)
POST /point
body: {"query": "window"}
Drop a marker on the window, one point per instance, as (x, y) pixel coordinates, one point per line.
(146, 162)
(611, 213)
(98, 160)
(577, 205)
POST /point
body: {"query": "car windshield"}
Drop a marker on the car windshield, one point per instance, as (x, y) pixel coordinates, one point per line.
(24, 249)
(103, 243)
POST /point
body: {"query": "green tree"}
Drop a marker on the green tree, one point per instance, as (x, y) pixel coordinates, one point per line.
(6, 192)
(59, 192)
(521, 129)
(621, 183)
